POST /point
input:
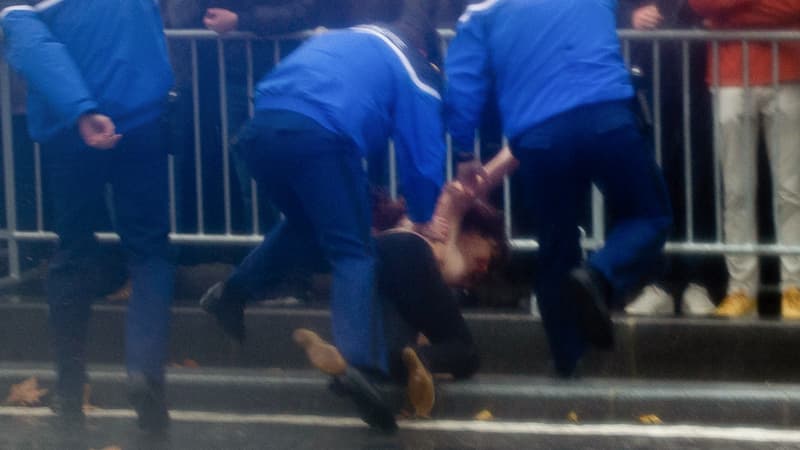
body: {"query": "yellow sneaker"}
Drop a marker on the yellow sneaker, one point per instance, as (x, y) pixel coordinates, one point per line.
(790, 303)
(736, 305)
(320, 353)
(420, 389)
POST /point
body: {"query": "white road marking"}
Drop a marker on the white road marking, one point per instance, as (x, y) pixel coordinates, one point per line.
(743, 434)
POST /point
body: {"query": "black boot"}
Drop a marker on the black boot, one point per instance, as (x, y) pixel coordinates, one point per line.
(371, 406)
(69, 412)
(590, 292)
(227, 310)
(148, 399)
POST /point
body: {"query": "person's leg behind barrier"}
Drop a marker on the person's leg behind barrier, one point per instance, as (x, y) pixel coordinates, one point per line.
(782, 136)
(738, 145)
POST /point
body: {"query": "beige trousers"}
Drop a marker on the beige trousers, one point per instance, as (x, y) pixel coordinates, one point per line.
(740, 115)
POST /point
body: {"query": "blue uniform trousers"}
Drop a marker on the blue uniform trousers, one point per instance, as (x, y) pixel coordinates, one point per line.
(76, 176)
(559, 160)
(317, 180)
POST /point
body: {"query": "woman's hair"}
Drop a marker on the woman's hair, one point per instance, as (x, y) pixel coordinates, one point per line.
(487, 222)
(386, 212)
(481, 218)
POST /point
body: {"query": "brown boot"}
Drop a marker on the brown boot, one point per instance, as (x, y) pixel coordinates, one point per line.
(321, 354)
(420, 389)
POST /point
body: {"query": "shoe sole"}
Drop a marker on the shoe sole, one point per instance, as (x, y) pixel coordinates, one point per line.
(320, 353)
(211, 303)
(747, 315)
(650, 313)
(420, 389)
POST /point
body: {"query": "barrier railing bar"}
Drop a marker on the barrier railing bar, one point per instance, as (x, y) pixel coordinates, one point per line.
(254, 207)
(37, 179)
(717, 141)
(198, 143)
(223, 117)
(687, 139)
(686, 36)
(657, 129)
(8, 169)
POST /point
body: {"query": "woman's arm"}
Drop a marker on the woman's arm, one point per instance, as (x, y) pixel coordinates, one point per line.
(496, 169)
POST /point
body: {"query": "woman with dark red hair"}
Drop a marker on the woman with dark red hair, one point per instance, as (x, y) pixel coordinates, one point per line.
(414, 277)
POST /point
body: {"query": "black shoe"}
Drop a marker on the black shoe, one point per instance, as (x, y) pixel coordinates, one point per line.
(228, 312)
(147, 398)
(372, 408)
(590, 291)
(69, 412)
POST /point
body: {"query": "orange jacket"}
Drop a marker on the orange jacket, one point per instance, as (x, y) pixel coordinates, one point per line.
(752, 14)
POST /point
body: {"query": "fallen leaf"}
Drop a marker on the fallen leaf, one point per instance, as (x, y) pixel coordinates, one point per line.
(650, 419)
(572, 417)
(485, 415)
(26, 393)
(185, 364)
(122, 294)
(190, 363)
(87, 398)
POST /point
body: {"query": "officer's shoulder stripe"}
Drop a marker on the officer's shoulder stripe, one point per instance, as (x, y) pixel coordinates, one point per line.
(26, 6)
(397, 44)
(477, 7)
(47, 4)
(5, 11)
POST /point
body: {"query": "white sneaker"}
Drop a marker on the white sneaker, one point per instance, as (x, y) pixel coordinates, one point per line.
(696, 301)
(653, 301)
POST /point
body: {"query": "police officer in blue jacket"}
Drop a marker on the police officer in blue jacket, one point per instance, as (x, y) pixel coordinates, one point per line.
(328, 106)
(98, 77)
(565, 100)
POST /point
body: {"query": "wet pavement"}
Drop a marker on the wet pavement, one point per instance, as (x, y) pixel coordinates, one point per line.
(35, 429)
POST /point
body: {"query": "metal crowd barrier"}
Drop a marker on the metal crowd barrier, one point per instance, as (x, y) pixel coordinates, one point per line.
(13, 234)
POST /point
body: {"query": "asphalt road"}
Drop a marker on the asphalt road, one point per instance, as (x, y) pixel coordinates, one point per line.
(34, 429)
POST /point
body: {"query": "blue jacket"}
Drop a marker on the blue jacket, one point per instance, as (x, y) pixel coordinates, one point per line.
(541, 58)
(80, 56)
(365, 84)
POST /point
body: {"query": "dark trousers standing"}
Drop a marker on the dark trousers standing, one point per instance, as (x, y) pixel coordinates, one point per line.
(559, 160)
(317, 180)
(77, 176)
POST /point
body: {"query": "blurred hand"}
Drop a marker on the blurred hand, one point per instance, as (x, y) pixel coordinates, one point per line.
(471, 176)
(98, 131)
(646, 18)
(220, 20)
(436, 230)
(458, 196)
